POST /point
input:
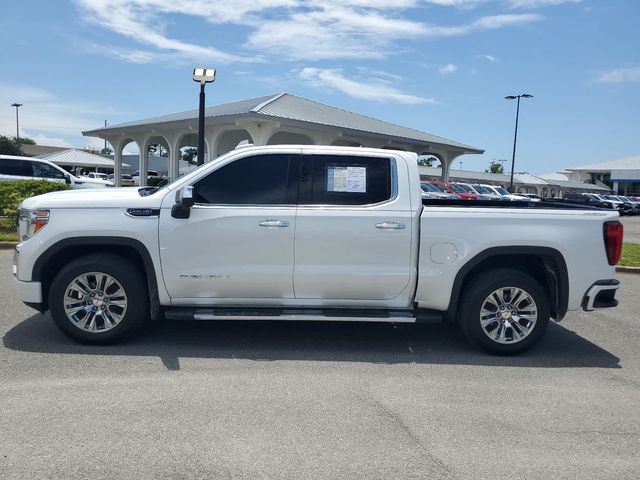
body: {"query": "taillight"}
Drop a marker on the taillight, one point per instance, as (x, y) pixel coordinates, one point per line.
(613, 241)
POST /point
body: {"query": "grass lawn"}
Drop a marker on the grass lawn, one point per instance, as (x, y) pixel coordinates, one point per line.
(630, 255)
(7, 231)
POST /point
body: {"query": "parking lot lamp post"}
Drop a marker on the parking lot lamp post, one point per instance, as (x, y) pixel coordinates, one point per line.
(204, 76)
(515, 135)
(17, 105)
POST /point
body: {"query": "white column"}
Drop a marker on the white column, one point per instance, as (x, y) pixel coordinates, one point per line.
(117, 166)
(144, 163)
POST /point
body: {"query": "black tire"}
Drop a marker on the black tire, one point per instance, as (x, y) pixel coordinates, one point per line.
(478, 291)
(131, 281)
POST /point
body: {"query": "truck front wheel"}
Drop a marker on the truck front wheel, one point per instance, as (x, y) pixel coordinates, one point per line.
(504, 311)
(99, 298)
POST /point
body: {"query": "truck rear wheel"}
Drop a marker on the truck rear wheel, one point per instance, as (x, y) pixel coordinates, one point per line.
(100, 298)
(504, 311)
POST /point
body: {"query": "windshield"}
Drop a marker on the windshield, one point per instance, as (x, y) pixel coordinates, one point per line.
(457, 188)
(480, 189)
(466, 188)
(428, 187)
(502, 191)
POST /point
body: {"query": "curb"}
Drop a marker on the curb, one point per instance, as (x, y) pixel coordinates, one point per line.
(8, 245)
(623, 269)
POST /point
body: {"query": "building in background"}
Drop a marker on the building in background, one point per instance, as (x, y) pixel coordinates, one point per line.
(622, 175)
(281, 119)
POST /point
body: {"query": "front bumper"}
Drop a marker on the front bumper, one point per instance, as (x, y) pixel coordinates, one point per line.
(30, 292)
(602, 294)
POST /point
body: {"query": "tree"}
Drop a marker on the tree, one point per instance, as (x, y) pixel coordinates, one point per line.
(9, 146)
(190, 155)
(158, 150)
(106, 151)
(95, 151)
(25, 141)
(495, 167)
(426, 161)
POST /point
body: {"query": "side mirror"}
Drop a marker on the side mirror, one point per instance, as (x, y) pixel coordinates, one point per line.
(184, 197)
(67, 179)
(184, 202)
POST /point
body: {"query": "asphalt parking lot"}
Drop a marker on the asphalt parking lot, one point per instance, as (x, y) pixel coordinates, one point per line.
(306, 401)
(631, 228)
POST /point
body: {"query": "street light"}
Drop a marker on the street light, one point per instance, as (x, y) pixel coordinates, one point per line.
(204, 76)
(17, 105)
(515, 135)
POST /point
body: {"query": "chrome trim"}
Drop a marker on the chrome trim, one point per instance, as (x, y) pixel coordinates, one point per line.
(390, 226)
(203, 315)
(593, 292)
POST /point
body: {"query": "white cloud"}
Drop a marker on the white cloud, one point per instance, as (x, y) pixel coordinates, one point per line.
(539, 3)
(447, 69)
(491, 58)
(48, 118)
(295, 29)
(620, 75)
(373, 89)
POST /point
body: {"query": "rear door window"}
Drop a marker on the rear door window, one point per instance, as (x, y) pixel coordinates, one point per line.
(345, 180)
(15, 167)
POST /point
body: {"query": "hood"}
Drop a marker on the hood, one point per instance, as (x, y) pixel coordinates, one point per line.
(98, 198)
(95, 181)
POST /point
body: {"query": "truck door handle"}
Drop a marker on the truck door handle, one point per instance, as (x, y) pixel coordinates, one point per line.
(390, 226)
(273, 223)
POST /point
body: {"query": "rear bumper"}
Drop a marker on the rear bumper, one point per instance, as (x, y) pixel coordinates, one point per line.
(602, 294)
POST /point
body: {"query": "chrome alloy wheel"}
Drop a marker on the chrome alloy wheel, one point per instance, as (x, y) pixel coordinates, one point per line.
(95, 302)
(508, 315)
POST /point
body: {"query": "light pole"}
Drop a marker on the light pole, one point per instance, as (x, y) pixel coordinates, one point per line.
(204, 76)
(515, 135)
(17, 105)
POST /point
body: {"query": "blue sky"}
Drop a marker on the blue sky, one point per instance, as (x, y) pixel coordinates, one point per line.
(441, 66)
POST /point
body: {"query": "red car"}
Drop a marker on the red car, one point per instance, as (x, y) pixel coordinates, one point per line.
(455, 189)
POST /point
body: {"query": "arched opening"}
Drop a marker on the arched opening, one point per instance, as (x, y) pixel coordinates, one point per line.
(289, 138)
(553, 193)
(230, 139)
(188, 153)
(429, 160)
(545, 192)
(157, 159)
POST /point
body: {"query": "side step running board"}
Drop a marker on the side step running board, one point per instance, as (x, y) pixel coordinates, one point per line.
(327, 315)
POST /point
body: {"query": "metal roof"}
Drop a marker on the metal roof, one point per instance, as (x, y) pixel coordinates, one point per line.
(79, 158)
(285, 106)
(625, 163)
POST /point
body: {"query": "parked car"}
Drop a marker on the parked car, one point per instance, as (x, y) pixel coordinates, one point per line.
(626, 208)
(127, 180)
(455, 189)
(28, 168)
(468, 188)
(592, 200)
(634, 207)
(101, 176)
(346, 237)
(505, 193)
(431, 191)
(136, 176)
(534, 197)
(489, 193)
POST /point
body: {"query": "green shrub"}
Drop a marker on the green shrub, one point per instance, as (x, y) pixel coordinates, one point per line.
(14, 192)
(156, 181)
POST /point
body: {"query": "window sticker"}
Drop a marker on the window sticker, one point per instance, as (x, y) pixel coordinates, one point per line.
(347, 179)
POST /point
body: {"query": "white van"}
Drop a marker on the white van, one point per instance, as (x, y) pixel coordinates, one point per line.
(27, 168)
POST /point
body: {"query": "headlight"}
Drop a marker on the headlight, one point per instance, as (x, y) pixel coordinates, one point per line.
(31, 222)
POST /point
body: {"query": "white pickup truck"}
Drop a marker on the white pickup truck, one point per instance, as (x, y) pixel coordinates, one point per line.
(311, 233)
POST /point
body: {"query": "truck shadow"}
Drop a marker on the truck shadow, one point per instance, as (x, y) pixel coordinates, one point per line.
(309, 341)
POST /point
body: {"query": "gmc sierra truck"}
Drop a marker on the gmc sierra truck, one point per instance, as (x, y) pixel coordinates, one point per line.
(311, 233)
